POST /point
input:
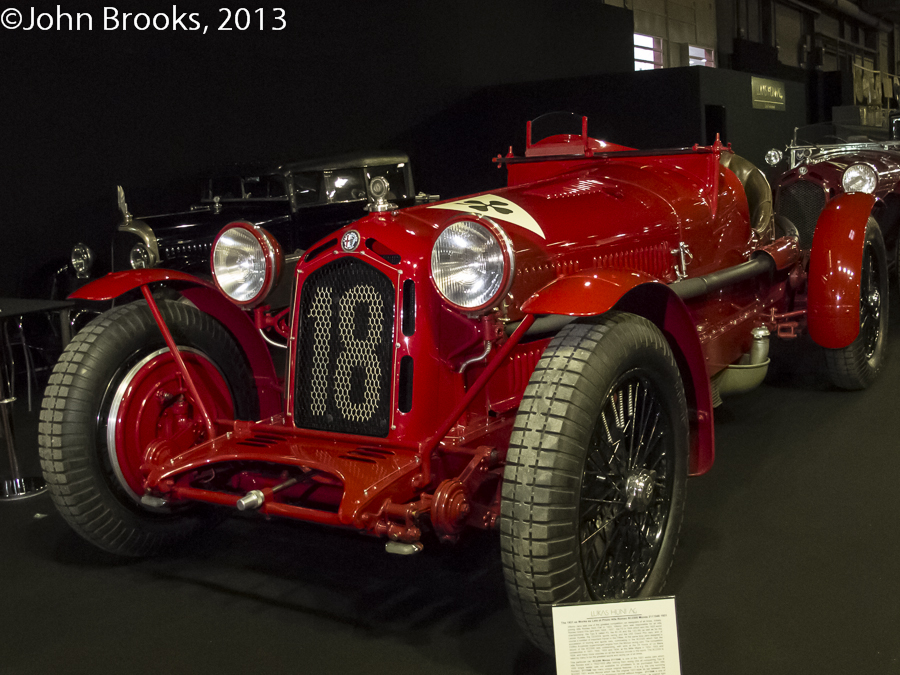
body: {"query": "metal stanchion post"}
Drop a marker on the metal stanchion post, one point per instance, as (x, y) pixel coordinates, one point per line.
(16, 486)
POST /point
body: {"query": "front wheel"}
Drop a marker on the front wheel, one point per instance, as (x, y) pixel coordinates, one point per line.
(593, 492)
(114, 390)
(857, 365)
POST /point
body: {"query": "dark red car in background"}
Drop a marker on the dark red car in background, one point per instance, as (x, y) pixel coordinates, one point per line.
(824, 163)
(541, 359)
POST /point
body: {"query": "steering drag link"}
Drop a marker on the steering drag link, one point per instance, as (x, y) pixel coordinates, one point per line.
(255, 498)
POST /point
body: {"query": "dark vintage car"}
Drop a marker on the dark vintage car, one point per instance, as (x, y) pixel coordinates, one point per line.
(297, 202)
(824, 162)
(541, 359)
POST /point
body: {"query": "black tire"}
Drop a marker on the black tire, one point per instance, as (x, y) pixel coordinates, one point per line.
(857, 365)
(564, 517)
(93, 428)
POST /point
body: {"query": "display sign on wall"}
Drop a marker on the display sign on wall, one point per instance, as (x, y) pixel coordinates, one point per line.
(608, 638)
(767, 94)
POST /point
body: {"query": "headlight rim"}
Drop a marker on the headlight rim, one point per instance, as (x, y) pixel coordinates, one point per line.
(864, 166)
(272, 256)
(509, 262)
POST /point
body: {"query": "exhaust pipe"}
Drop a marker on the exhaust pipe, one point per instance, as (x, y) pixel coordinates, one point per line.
(697, 286)
(742, 377)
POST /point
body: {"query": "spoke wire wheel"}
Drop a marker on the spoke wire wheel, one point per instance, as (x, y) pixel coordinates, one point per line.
(870, 304)
(626, 489)
(857, 365)
(593, 491)
(114, 389)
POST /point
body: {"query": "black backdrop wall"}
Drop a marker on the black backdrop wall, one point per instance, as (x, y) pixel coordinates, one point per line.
(86, 105)
(672, 107)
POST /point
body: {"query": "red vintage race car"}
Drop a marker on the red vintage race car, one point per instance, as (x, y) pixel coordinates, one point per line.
(541, 359)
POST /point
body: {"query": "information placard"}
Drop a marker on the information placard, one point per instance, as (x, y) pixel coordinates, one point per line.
(630, 637)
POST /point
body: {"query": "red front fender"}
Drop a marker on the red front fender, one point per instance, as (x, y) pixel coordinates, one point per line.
(835, 264)
(594, 292)
(585, 293)
(118, 283)
(207, 298)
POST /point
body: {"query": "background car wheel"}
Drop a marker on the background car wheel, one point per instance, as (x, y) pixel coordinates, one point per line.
(116, 388)
(593, 492)
(857, 365)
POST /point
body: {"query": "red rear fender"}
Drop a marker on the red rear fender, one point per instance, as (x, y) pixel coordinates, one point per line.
(834, 270)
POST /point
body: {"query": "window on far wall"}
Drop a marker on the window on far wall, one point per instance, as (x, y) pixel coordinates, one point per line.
(698, 56)
(648, 52)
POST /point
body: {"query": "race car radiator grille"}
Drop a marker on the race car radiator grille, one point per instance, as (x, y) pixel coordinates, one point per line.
(345, 350)
(801, 203)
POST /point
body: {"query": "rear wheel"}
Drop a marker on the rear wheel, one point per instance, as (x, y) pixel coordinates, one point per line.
(857, 365)
(593, 491)
(115, 389)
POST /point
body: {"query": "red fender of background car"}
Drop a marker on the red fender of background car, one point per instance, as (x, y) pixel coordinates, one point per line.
(834, 270)
(207, 298)
(594, 292)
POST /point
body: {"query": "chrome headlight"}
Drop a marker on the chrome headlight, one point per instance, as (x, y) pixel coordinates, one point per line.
(773, 156)
(246, 263)
(141, 257)
(472, 264)
(860, 178)
(82, 259)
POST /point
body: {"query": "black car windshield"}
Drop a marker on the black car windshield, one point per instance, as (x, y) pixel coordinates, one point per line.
(335, 186)
(344, 185)
(232, 188)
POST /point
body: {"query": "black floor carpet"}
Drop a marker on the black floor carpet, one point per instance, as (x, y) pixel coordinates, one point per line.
(788, 564)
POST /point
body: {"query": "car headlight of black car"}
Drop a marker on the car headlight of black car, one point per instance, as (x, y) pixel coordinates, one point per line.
(82, 259)
(246, 263)
(860, 178)
(472, 264)
(141, 257)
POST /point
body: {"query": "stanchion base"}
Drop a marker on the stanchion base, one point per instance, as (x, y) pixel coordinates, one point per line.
(21, 488)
